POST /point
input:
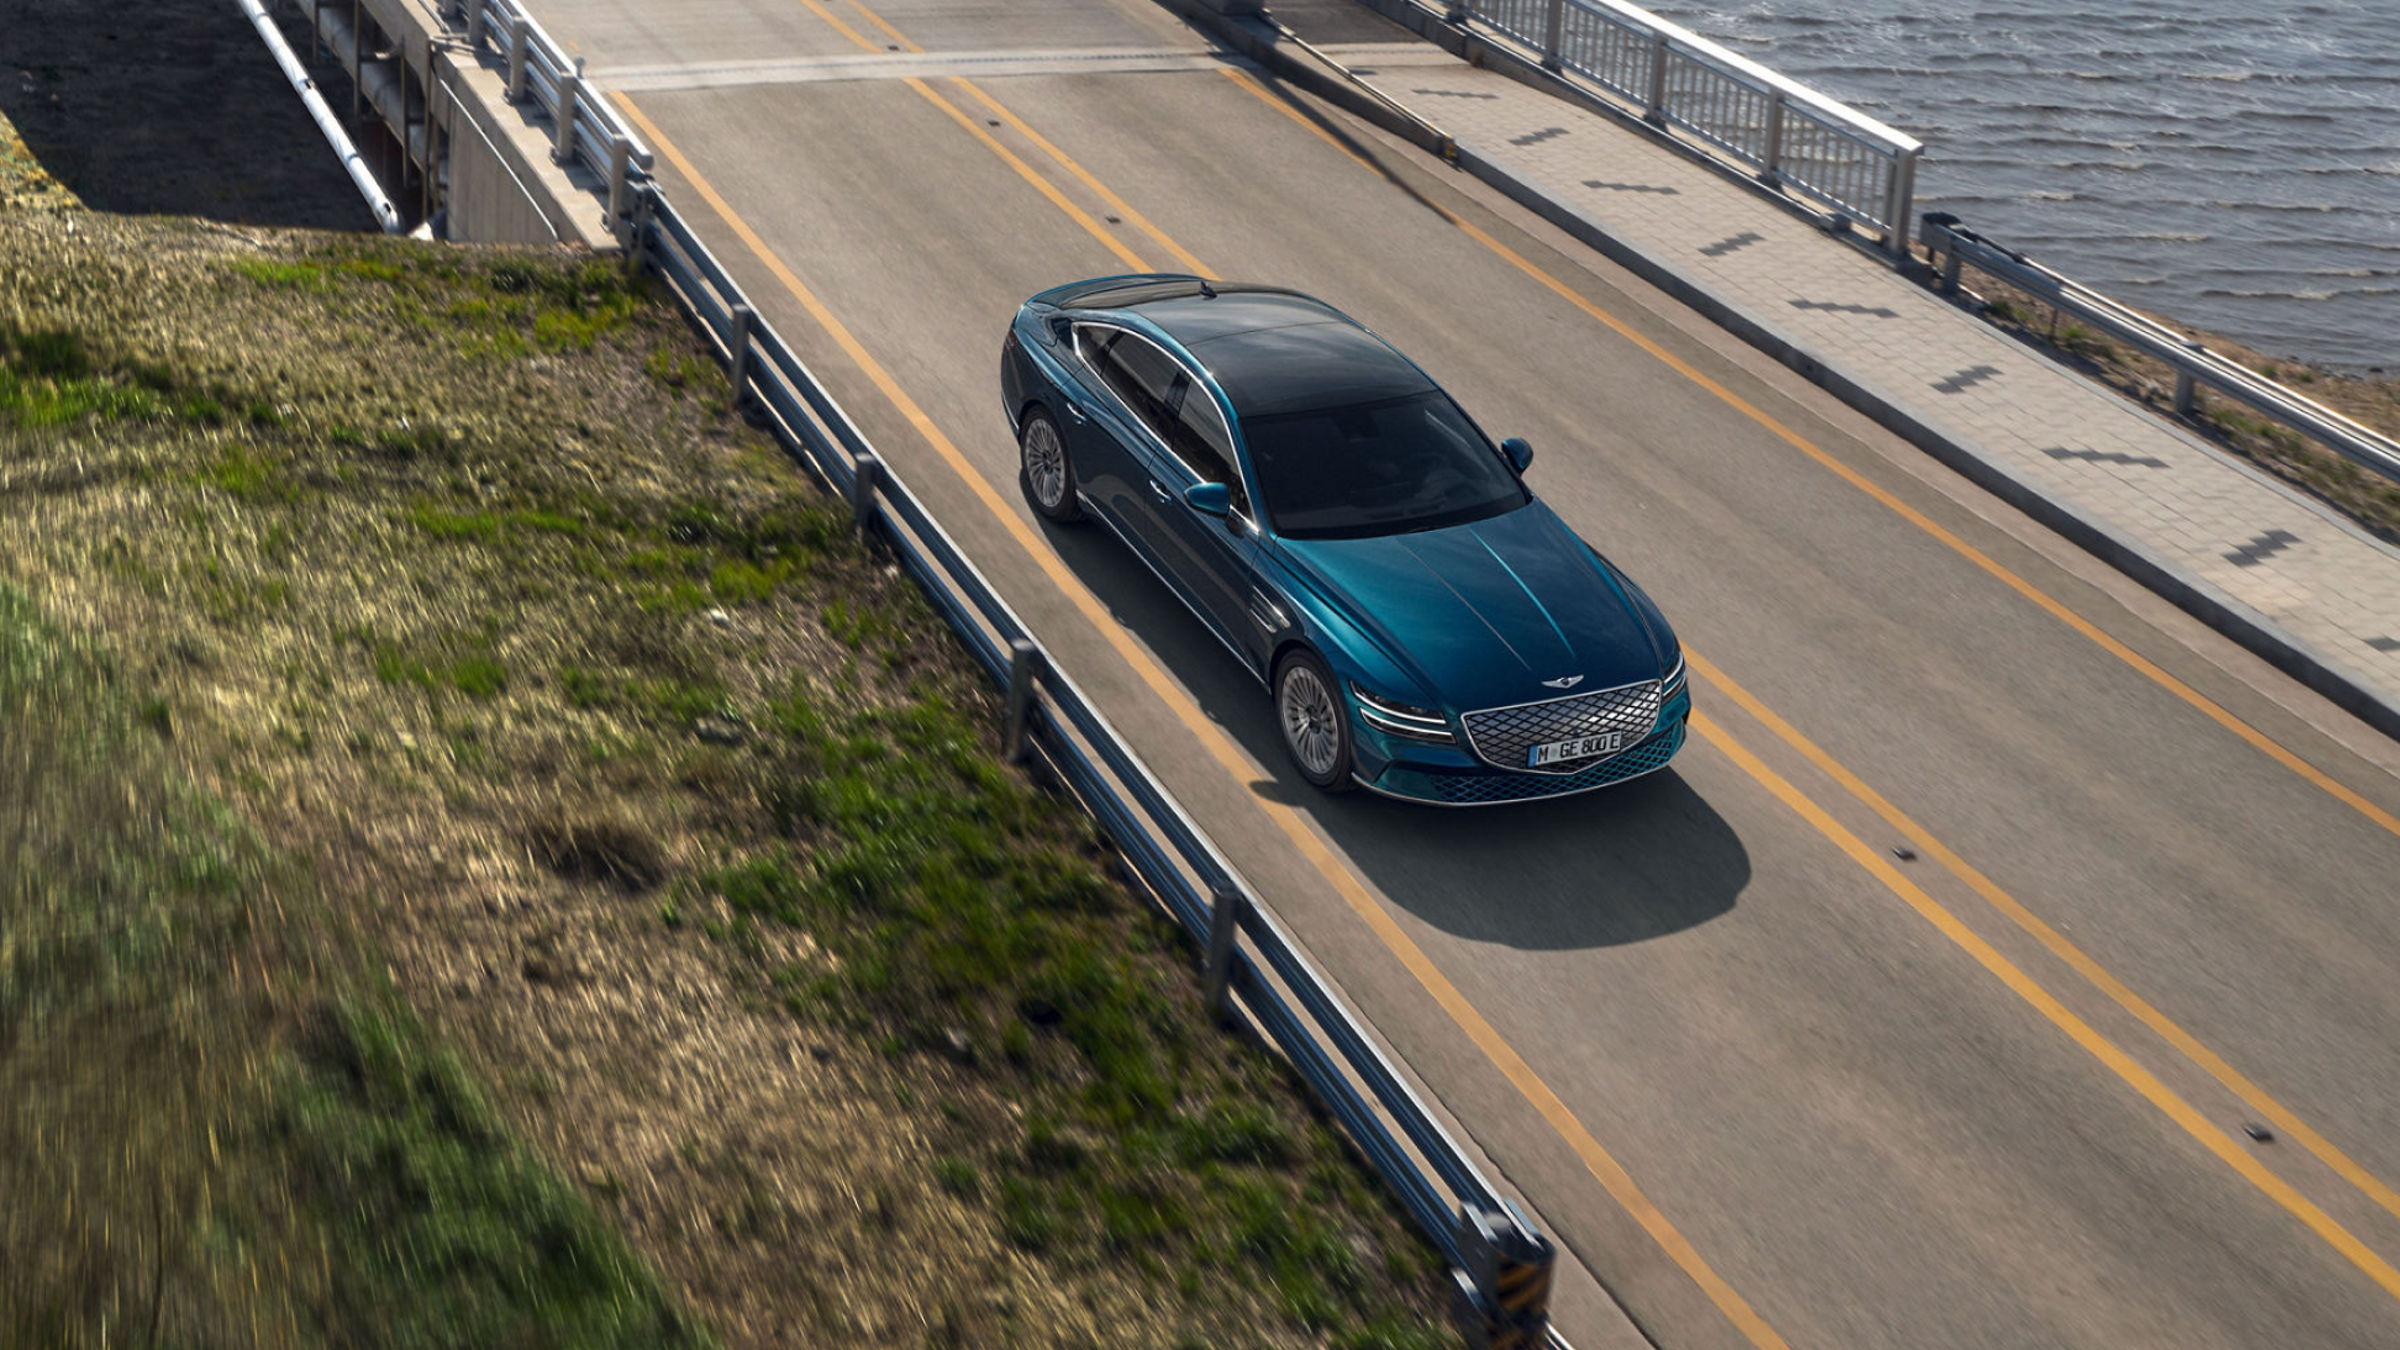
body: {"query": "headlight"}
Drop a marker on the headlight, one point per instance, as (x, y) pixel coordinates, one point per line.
(1401, 719)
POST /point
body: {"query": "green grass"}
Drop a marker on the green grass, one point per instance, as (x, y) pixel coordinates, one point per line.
(277, 1149)
(957, 913)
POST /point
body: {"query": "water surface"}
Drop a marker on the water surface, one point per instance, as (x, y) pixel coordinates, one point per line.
(2235, 166)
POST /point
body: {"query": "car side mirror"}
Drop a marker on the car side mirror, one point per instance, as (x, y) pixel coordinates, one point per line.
(1209, 499)
(1519, 452)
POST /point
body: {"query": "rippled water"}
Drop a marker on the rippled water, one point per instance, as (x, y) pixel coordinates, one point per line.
(2233, 165)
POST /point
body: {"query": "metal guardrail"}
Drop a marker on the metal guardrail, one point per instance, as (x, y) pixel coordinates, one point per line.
(1501, 1262)
(1953, 246)
(537, 71)
(1788, 135)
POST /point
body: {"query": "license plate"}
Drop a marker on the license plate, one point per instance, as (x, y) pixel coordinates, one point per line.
(1582, 747)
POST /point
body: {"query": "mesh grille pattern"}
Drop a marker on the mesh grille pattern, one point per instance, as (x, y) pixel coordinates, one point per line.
(1483, 789)
(1504, 736)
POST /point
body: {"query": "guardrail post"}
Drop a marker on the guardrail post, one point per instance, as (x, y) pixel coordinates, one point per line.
(570, 86)
(1023, 660)
(743, 323)
(620, 164)
(2187, 393)
(1502, 1300)
(1900, 201)
(1553, 31)
(520, 46)
(1654, 104)
(864, 470)
(1456, 13)
(476, 22)
(1770, 155)
(1224, 921)
(637, 230)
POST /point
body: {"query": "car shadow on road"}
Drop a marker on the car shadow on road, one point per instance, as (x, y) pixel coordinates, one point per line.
(1624, 864)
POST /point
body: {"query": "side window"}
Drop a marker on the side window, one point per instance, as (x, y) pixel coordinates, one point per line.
(1141, 376)
(1091, 342)
(1163, 394)
(1200, 439)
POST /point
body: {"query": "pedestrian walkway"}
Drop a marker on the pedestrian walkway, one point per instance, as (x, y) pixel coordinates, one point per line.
(2254, 557)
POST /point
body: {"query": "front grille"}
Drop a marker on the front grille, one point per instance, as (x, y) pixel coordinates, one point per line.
(1504, 737)
(1486, 789)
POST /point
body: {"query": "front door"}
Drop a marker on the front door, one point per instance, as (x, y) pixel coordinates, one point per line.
(1178, 439)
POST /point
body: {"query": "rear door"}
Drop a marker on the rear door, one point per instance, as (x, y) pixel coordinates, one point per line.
(1211, 559)
(1107, 435)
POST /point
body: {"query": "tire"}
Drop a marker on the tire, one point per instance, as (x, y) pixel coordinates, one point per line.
(1044, 465)
(1314, 724)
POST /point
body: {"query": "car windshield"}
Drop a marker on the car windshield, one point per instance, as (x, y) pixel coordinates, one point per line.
(1390, 467)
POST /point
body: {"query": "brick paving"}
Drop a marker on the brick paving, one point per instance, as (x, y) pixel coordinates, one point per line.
(2270, 557)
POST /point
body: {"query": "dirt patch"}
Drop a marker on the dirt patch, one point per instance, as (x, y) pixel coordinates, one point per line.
(172, 107)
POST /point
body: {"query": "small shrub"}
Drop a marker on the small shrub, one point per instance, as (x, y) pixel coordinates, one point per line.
(299, 276)
(249, 477)
(605, 849)
(958, 1176)
(479, 677)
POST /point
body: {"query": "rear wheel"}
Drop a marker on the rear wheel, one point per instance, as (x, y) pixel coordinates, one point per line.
(1046, 473)
(1308, 711)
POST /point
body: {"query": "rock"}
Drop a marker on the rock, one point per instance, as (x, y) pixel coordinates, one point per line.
(717, 731)
(958, 1047)
(720, 618)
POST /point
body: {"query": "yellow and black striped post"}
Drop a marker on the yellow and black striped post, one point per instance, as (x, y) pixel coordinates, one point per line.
(1502, 1299)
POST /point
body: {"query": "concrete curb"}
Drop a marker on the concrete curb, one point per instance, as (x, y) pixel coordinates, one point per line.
(2254, 631)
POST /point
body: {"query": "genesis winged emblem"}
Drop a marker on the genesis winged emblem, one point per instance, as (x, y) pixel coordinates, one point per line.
(1564, 682)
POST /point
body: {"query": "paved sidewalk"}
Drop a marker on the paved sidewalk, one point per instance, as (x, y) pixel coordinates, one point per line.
(2253, 557)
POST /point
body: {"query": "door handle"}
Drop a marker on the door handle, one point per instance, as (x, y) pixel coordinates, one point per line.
(1160, 493)
(1074, 413)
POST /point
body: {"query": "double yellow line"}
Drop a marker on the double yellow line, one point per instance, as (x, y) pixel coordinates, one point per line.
(1604, 1168)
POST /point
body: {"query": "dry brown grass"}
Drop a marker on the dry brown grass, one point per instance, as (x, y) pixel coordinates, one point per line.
(666, 803)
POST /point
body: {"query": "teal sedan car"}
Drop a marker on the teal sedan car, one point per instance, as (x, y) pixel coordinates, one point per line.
(1427, 627)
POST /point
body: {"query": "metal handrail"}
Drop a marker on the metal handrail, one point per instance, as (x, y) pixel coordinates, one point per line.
(1788, 135)
(1953, 245)
(587, 129)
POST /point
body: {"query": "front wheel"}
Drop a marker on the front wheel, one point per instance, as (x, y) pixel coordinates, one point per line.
(1044, 469)
(1309, 712)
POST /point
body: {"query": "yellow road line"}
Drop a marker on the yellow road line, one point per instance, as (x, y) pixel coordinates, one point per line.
(2055, 608)
(1025, 171)
(2024, 987)
(2075, 957)
(1116, 203)
(1125, 210)
(1007, 156)
(1604, 1168)
(817, 8)
(906, 43)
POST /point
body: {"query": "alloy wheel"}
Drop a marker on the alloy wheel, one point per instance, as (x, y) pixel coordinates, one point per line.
(1310, 721)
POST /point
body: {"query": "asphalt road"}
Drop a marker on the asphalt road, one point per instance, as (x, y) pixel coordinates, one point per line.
(1924, 1002)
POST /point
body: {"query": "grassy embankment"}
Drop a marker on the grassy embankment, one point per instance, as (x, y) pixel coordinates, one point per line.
(488, 860)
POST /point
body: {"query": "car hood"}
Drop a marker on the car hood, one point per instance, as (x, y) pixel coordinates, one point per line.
(1484, 613)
